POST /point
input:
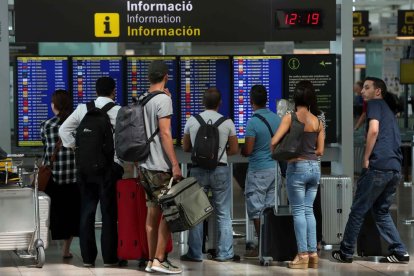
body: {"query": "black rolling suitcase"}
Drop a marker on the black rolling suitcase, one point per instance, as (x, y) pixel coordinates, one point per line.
(277, 234)
(370, 242)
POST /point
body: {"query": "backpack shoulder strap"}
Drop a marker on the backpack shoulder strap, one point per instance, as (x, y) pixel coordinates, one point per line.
(263, 119)
(220, 121)
(147, 98)
(144, 101)
(90, 105)
(108, 107)
(200, 119)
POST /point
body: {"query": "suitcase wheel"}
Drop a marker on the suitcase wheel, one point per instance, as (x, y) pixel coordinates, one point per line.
(265, 262)
(40, 257)
(211, 254)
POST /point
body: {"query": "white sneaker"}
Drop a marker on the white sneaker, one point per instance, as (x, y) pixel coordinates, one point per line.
(165, 267)
(148, 267)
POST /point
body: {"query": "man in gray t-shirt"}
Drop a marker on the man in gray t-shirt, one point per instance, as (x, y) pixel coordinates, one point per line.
(217, 180)
(158, 169)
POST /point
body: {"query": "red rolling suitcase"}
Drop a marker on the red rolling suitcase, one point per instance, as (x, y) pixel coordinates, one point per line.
(132, 215)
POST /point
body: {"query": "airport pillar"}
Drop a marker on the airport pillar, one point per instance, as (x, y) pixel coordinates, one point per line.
(5, 136)
(343, 46)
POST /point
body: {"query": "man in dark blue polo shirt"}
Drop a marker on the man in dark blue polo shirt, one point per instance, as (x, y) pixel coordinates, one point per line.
(377, 185)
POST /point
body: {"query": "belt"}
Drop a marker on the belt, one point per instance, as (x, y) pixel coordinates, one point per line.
(218, 165)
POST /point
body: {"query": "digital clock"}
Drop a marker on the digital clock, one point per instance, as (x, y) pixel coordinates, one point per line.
(298, 18)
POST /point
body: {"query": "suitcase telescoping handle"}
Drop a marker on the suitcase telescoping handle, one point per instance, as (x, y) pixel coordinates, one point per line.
(277, 193)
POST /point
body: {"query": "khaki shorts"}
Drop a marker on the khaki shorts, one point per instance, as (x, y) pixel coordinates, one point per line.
(154, 182)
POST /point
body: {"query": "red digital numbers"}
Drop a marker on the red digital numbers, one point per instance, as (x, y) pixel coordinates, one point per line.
(315, 18)
(299, 18)
(291, 18)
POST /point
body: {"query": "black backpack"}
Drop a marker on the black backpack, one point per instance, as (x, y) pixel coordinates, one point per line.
(94, 151)
(394, 103)
(206, 144)
(131, 139)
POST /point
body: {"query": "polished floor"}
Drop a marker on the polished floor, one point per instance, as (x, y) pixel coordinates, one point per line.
(11, 265)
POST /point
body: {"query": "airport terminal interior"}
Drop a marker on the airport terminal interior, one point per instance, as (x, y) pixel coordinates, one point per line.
(334, 44)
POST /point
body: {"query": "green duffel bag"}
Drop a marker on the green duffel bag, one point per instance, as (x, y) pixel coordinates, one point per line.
(184, 205)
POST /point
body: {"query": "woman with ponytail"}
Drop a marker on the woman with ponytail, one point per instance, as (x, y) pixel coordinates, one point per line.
(62, 187)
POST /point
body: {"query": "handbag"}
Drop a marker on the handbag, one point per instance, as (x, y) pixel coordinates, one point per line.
(184, 205)
(291, 144)
(45, 171)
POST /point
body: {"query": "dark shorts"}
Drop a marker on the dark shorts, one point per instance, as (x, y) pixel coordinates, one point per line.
(154, 183)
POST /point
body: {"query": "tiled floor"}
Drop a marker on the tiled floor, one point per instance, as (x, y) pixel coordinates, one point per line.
(11, 265)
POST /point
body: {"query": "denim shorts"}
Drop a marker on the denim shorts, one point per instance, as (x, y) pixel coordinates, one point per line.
(154, 182)
(259, 191)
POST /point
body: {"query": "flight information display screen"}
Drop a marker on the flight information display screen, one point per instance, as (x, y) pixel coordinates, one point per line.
(36, 80)
(85, 72)
(138, 83)
(249, 71)
(198, 73)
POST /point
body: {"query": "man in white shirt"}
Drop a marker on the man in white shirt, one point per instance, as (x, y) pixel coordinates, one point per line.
(96, 187)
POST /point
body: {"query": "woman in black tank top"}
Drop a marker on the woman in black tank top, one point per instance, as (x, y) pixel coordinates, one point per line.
(303, 173)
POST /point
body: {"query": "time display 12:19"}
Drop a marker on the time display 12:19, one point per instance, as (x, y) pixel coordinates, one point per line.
(298, 19)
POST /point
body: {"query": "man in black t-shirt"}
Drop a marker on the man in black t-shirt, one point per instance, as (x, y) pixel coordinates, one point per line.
(381, 176)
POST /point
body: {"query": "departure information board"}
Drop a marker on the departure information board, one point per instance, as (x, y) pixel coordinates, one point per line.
(249, 71)
(36, 80)
(85, 72)
(198, 73)
(138, 83)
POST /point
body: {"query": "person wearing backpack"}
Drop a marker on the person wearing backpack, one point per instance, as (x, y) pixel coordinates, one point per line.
(89, 130)
(260, 180)
(207, 135)
(156, 171)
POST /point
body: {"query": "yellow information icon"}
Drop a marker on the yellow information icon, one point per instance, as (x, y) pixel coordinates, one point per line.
(409, 18)
(106, 24)
(357, 18)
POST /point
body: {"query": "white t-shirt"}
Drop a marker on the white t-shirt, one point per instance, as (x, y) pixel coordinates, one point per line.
(226, 129)
(68, 129)
(158, 107)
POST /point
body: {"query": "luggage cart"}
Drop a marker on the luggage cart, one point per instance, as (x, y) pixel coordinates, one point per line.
(20, 216)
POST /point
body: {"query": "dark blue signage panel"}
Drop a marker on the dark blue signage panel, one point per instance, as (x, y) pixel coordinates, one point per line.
(249, 71)
(36, 80)
(85, 72)
(197, 74)
(137, 81)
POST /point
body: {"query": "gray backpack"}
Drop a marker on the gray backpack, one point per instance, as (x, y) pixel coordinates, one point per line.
(131, 139)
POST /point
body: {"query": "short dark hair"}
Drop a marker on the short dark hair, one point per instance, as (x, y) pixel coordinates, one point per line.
(63, 103)
(211, 98)
(378, 84)
(105, 86)
(360, 84)
(258, 95)
(305, 95)
(157, 71)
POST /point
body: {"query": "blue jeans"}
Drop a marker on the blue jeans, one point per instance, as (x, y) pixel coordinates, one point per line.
(218, 181)
(302, 178)
(259, 191)
(375, 190)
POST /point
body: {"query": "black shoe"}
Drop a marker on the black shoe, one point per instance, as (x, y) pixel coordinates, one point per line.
(122, 263)
(396, 258)
(337, 255)
(185, 258)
